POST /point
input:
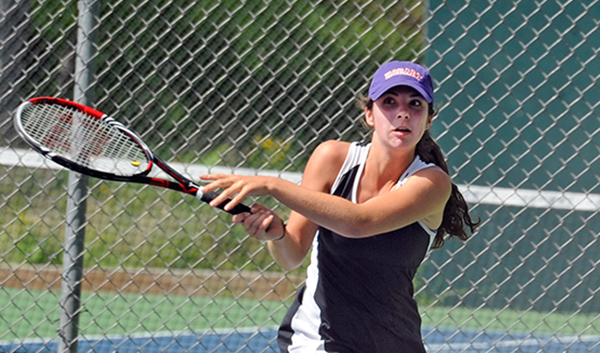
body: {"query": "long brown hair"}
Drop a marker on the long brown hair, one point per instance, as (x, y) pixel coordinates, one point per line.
(456, 213)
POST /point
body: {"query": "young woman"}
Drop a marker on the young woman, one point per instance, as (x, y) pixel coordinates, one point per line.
(370, 212)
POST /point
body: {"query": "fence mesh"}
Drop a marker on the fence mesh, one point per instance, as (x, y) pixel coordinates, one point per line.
(253, 87)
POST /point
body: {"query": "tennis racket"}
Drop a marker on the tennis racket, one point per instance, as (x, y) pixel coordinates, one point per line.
(87, 141)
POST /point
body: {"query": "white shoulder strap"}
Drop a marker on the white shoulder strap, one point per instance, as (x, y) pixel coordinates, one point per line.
(414, 167)
(357, 154)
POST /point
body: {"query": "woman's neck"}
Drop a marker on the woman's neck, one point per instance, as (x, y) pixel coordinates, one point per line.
(382, 171)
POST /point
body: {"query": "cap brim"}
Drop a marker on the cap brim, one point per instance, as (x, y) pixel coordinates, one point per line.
(401, 81)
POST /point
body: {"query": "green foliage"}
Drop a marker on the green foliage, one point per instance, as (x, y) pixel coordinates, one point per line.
(168, 69)
(250, 84)
(263, 153)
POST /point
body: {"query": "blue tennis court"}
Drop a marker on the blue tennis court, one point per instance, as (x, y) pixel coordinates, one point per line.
(247, 340)
(451, 340)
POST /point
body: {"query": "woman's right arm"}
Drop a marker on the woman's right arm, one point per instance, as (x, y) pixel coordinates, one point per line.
(319, 175)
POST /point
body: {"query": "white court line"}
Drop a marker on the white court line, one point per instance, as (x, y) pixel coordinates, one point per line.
(473, 194)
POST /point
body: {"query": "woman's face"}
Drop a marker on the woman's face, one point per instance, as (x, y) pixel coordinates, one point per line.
(399, 117)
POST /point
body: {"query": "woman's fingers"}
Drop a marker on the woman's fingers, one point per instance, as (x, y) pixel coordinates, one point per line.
(240, 217)
(252, 224)
(237, 195)
(262, 223)
(218, 181)
(234, 187)
(231, 189)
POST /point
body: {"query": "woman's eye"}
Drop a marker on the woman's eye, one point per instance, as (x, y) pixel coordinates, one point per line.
(416, 103)
(389, 100)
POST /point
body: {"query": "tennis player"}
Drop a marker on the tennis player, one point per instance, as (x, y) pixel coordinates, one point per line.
(370, 212)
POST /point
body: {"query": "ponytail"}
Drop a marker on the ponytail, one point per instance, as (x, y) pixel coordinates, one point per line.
(456, 212)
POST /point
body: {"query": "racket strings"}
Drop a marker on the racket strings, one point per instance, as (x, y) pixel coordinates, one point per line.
(83, 139)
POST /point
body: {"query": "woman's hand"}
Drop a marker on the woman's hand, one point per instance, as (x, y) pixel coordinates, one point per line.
(236, 187)
(262, 223)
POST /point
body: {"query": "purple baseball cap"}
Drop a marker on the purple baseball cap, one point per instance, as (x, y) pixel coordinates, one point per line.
(401, 73)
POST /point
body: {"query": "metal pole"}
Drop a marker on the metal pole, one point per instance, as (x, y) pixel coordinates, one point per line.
(14, 26)
(77, 190)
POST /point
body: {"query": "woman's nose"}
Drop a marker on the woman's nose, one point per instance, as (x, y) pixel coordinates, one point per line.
(402, 112)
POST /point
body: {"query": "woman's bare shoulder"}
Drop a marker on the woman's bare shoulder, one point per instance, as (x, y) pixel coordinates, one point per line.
(332, 151)
(326, 162)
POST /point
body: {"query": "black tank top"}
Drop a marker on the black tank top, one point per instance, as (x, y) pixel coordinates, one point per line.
(358, 295)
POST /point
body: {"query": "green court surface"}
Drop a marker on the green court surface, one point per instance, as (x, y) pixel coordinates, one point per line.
(34, 314)
(512, 320)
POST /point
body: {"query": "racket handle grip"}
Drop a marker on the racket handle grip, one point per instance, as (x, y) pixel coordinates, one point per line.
(211, 195)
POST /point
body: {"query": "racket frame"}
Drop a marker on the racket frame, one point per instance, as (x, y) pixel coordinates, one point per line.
(181, 183)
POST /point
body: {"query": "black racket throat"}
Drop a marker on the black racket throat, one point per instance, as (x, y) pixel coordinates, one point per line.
(181, 183)
(185, 185)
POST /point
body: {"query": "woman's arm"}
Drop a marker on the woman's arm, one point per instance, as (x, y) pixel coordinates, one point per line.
(424, 194)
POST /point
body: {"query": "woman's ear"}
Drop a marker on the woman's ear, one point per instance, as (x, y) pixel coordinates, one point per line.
(369, 117)
(429, 121)
(432, 114)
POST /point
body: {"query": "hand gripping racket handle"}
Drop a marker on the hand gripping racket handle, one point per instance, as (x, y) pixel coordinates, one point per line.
(187, 186)
(211, 195)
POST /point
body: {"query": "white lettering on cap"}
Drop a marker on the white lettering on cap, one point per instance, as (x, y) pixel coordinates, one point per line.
(407, 72)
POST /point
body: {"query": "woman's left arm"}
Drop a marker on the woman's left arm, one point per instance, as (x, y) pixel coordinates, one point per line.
(423, 195)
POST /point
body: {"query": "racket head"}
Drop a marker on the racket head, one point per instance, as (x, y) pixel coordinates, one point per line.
(82, 139)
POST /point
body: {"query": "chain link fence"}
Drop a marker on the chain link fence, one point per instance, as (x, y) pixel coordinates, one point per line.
(253, 87)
